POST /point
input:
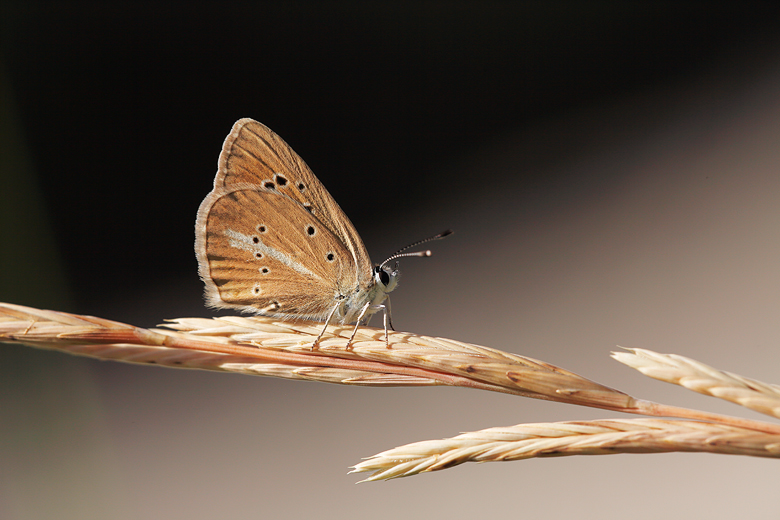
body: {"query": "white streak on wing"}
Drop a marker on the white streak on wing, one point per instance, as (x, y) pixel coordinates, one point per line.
(245, 242)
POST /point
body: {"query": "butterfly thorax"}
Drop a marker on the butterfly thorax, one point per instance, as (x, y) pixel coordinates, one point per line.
(371, 295)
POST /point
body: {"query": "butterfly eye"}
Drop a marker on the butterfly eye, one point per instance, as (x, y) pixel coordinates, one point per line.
(388, 280)
(384, 278)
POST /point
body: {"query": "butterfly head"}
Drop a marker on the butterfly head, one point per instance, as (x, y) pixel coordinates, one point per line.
(386, 278)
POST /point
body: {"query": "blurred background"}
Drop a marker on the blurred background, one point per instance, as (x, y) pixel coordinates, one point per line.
(611, 170)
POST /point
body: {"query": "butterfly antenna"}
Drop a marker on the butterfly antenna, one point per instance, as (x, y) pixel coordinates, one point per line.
(400, 254)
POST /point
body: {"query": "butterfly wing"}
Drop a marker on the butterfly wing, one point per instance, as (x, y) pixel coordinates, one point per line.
(261, 251)
(253, 154)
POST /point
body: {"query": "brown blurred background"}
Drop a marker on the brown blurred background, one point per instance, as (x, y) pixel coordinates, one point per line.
(612, 172)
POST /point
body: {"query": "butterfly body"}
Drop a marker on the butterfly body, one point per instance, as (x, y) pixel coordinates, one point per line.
(271, 240)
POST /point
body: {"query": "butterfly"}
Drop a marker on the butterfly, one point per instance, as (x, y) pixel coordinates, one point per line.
(271, 240)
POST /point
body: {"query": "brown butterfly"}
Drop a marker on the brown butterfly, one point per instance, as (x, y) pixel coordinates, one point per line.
(271, 240)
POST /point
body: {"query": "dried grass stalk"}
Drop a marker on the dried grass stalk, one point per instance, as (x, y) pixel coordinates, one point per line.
(109, 340)
(263, 346)
(602, 437)
(704, 379)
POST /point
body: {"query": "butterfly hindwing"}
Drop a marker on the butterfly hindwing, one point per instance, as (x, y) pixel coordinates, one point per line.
(253, 154)
(261, 251)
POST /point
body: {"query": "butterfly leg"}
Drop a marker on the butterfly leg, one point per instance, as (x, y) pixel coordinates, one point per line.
(387, 318)
(357, 324)
(388, 315)
(316, 343)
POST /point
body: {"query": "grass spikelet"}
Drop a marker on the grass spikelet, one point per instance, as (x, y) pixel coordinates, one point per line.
(704, 379)
(602, 437)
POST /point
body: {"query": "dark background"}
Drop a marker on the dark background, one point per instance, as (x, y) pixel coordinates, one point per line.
(121, 109)
(610, 170)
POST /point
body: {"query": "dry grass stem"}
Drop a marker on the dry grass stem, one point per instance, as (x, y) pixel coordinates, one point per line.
(569, 438)
(701, 378)
(108, 340)
(264, 346)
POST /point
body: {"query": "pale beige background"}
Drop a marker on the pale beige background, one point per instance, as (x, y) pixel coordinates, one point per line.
(669, 239)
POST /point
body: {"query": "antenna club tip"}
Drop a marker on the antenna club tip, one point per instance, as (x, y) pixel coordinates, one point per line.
(427, 253)
(446, 233)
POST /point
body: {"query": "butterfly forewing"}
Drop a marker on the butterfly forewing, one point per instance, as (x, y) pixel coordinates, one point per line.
(261, 251)
(253, 154)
